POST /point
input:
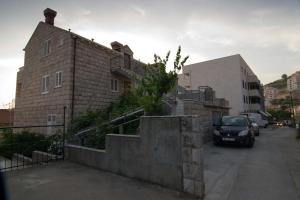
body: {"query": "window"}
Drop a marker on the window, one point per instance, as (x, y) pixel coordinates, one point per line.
(114, 85)
(243, 83)
(58, 79)
(51, 119)
(46, 47)
(45, 84)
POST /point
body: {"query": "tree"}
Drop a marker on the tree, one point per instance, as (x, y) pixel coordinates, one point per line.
(158, 82)
(284, 76)
(280, 115)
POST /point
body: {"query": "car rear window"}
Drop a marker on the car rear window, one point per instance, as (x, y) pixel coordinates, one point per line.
(234, 121)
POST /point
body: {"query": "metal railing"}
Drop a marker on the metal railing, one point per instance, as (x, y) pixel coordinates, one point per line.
(127, 123)
(20, 147)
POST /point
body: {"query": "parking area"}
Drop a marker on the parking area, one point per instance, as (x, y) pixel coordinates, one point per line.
(270, 170)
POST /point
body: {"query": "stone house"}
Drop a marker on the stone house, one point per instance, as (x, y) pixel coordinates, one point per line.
(6, 117)
(62, 68)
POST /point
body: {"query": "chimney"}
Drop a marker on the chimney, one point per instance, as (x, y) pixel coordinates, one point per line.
(117, 46)
(49, 16)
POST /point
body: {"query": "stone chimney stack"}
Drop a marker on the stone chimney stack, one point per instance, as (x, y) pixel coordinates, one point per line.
(117, 46)
(49, 16)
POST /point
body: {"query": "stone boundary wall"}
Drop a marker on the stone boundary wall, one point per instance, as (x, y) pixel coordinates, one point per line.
(205, 116)
(167, 152)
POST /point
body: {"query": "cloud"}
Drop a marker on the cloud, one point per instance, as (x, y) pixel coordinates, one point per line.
(265, 32)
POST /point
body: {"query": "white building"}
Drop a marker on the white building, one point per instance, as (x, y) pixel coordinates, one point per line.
(293, 82)
(231, 78)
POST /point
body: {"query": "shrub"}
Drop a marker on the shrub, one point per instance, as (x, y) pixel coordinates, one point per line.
(148, 95)
(26, 142)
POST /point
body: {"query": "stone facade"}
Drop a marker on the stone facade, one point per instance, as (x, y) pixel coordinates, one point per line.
(68, 53)
(207, 114)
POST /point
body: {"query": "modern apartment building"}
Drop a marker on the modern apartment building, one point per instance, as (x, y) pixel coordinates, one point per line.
(231, 78)
(62, 68)
(293, 82)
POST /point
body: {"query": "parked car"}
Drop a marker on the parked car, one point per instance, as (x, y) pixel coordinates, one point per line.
(260, 120)
(234, 129)
(254, 125)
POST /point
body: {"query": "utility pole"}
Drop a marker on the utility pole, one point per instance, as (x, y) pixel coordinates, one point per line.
(292, 109)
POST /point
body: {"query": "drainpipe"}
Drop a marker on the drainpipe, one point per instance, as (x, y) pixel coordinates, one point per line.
(73, 78)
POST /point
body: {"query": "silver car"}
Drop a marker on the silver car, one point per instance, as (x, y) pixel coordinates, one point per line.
(254, 125)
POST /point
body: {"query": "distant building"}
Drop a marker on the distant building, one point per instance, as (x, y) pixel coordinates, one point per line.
(270, 93)
(231, 78)
(293, 82)
(62, 68)
(6, 117)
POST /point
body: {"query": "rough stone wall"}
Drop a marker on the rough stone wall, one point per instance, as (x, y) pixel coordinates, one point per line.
(32, 107)
(205, 114)
(92, 77)
(193, 133)
(167, 152)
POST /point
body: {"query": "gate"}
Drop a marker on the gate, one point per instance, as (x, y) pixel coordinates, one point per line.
(22, 148)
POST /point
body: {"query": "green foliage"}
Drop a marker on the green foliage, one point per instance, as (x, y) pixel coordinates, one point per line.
(279, 84)
(23, 143)
(283, 103)
(158, 82)
(280, 115)
(297, 118)
(26, 142)
(147, 95)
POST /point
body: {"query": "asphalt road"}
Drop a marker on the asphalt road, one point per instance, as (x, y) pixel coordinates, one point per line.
(269, 171)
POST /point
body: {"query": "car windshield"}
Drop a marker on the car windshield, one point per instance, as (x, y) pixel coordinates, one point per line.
(234, 121)
(252, 119)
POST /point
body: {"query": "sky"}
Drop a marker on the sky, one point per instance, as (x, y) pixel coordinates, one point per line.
(265, 32)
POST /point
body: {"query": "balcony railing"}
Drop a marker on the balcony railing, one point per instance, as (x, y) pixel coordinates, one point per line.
(254, 93)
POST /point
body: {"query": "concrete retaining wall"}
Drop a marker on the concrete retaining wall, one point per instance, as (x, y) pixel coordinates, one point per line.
(167, 152)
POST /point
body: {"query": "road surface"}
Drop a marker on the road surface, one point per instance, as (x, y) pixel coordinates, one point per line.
(269, 171)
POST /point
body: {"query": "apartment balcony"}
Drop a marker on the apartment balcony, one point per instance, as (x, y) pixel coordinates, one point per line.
(252, 79)
(254, 93)
(255, 107)
(118, 67)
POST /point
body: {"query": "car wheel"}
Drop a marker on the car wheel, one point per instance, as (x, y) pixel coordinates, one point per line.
(250, 143)
(257, 133)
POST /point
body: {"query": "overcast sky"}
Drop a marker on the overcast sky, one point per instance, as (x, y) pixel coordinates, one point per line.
(265, 32)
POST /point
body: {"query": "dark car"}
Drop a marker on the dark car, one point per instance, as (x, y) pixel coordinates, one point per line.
(234, 129)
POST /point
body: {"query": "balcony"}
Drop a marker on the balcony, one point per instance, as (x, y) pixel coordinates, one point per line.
(117, 66)
(254, 93)
(255, 107)
(252, 79)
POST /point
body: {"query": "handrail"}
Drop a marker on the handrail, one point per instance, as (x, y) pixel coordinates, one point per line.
(126, 122)
(124, 116)
(128, 114)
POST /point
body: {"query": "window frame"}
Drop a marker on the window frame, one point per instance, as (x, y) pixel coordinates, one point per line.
(47, 47)
(114, 85)
(45, 89)
(58, 84)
